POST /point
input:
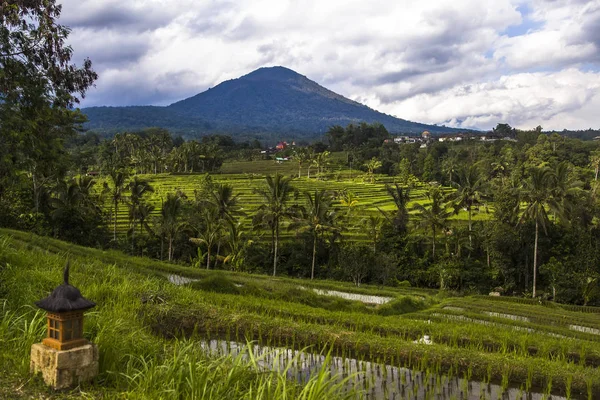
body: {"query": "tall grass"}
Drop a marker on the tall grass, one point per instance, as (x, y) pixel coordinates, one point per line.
(134, 363)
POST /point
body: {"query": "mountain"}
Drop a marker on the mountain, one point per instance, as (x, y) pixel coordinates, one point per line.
(268, 102)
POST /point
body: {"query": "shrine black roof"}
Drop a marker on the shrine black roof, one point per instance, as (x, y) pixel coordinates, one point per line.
(65, 298)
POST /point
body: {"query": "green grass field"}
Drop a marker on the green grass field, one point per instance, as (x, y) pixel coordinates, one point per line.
(149, 331)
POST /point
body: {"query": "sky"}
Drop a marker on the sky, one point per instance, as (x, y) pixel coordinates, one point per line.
(462, 63)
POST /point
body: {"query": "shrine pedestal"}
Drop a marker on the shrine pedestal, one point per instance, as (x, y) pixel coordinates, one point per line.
(65, 368)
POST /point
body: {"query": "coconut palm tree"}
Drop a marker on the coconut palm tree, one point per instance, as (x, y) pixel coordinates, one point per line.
(316, 217)
(401, 197)
(138, 188)
(564, 188)
(372, 165)
(373, 224)
(145, 211)
(470, 191)
(226, 209)
(275, 194)
(321, 160)
(302, 156)
(237, 242)
(536, 192)
(171, 220)
(435, 215)
(348, 200)
(450, 166)
(117, 190)
(208, 232)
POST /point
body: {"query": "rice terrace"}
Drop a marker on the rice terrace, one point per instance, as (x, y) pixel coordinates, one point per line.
(182, 217)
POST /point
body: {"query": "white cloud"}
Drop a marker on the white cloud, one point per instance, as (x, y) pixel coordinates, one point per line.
(397, 56)
(555, 100)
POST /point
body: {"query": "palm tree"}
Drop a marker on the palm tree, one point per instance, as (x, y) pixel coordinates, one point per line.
(302, 155)
(450, 166)
(145, 211)
(374, 224)
(138, 188)
(209, 231)
(536, 192)
(226, 208)
(117, 193)
(348, 200)
(170, 219)
(470, 189)
(435, 215)
(401, 196)
(237, 245)
(564, 188)
(275, 194)
(316, 218)
(372, 165)
(321, 160)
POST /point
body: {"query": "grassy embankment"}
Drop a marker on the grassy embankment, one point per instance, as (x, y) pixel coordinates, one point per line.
(148, 329)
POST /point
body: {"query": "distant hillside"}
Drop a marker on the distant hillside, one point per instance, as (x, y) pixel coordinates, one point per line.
(267, 101)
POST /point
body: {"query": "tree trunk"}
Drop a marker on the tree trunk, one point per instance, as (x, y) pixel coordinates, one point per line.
(308, 172)
(275, 245)
(597, 171)
(470, 226)
(170, 247)
(433, 241)
(162, 247)
(535, 248)
(36, 197)
(133, 237)
(314, 256)
(299, 170)
(208, 257)
(115, 221)
(218, 251)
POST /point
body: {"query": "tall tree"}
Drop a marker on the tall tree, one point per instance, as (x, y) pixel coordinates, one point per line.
(435, 215)
(536, 192)
(208, 232)
(226, 208)
(321, 160)
(372, 165)
(38, 88)
(401, 197)
(302, 156)
(450, 166)
(138, 188)
(470, 190)
(117, 190)
(276, 194)
(171, 220)
(317, 217)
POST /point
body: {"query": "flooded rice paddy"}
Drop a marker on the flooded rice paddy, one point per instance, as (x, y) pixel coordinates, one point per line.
(372, 380)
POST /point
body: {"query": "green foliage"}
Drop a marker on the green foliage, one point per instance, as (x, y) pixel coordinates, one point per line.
(403, 305)
(216, 283)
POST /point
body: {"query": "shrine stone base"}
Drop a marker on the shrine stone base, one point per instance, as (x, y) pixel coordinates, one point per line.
(65, 368)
